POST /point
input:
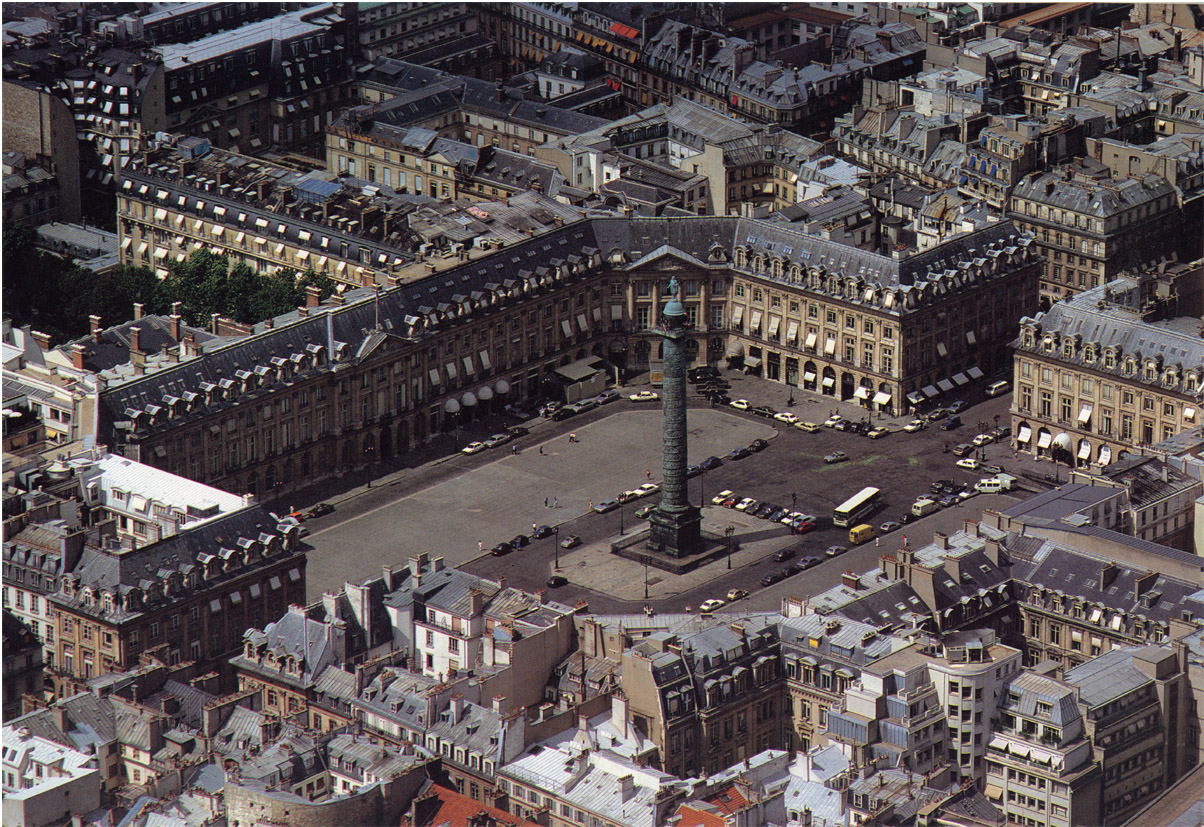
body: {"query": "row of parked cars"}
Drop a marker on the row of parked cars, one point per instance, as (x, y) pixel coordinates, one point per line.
(495, 441)
(797, 521)
(558, 410)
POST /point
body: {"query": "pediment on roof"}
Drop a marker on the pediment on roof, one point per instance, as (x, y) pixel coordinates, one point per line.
(668, 259)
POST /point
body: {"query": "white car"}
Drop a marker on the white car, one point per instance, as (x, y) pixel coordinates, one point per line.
(644, 396)
(721, 496)
(647, 489)
(739, 404)
(915, 425)
(969, 463)
(831, 421)
(982, 439)
(789, 517)
(744, 504)
(786, 416)
(473, 448)
(711, 605)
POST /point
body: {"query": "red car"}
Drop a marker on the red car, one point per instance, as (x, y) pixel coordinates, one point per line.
(804, 527)
(730, 502)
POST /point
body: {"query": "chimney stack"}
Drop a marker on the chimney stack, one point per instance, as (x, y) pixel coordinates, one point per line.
(43, 339)
(77, 357)
(137, 311)
(313, 296)
(94, 327)
(135, 338)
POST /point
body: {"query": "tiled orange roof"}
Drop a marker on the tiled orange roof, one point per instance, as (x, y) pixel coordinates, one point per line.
(729, 800)
(690, 817)
(441, 807)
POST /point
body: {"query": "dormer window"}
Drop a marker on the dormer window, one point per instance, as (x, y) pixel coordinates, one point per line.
(1109, 359)
(1089, 353)
(1151, 371)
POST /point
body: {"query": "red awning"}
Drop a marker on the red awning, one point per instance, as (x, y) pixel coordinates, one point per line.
(624, 31)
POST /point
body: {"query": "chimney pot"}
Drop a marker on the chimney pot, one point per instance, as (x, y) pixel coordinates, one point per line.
(137, 310)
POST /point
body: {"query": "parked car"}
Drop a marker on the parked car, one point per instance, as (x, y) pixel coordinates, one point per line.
(710, 463)
(963, 449)
(542, 531)
(969, 463)
(747, 503)
(721, 496)
(835, 551)
(791, 570)
(783, 555)
(711, 605)
(608, 395)
(803, 526)
(648, 489)
(771, 578)
(915, 425)
(606, 505)
(518, 430)
(556, 581)
(501, 549)
(951, 423)
(572, 541)
(717, 397)
(765, 510)
(809, 427)
(758, 445)
(693, 471)
(958, 406)
(550, 408)
(937, 414)
(982, 439)
(473, 448)
(627, 496)
(736, 594)
(845, 425)
(563, 413)
(831, 421)
(701, 372)
(643, 511)
(786, 416)
(888, 527)
(739, 404)
(497, 440)
(836, 456)
(998, 388)
(807, 562)
(878, 433)
(319, 510)
(738, 453)
(993, 470)
(762, 410)
(1001, 433)
(948, 500)
(776, 514)
(732, 501)
(644, 396)
(520, 540)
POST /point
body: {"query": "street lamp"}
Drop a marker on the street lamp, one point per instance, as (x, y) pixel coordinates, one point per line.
(620, 519)
(645, 577)
(794, 500)
(702, 488)
(556, 547)
(728, 532)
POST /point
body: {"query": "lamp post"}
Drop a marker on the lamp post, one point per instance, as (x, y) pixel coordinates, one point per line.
(645, 577)
(620, 519)
(702, 488)
(556, 547)
(727, 533)
(794, 501)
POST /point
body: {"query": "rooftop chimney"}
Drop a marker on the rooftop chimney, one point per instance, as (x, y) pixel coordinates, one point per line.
(313, 296)
(94, 327)
(43, 339)
(77, 357)
(137, 311)
(135, 338)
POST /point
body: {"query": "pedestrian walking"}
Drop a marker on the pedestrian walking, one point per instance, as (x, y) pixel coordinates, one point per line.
(555, 502)
(877, 542)
(541, 450)
(534, 528)
(545, 502)
(514, 450)
(591, 505)
(648, 473)
(480, 545)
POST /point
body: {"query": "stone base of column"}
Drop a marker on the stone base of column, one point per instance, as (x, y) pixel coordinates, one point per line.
(675, 533)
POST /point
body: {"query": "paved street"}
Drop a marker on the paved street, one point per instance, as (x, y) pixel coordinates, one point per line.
(449, 504)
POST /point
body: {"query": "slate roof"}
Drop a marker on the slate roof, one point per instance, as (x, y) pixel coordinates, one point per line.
(1111, 675)
(1027, 688)
(113, 349)
(1101, 199)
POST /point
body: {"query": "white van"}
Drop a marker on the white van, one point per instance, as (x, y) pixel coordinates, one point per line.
(991, 485)
(999, 388)
(924, 506)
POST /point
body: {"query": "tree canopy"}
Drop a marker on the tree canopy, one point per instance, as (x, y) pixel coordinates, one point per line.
(56, 296)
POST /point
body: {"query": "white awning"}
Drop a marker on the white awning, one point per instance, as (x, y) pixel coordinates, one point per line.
(829, 381)
(774, 323)
(930, 391)
(616, 312)
(792, 332)
(501, 386)
(808, 376)
(1105, 455)
(216, 231)
(1044, 439)
(451, 406)
(469, 370)
(993, 792)
(830, 345)
(1084, 450)
(160, 214)
(160, 252)
(941, 349)
(970, 338)
(468, 399)
(975, 373)
(755, 324)
(1085, 414)
(1189, 413)
(484, 357)
(125, 245)
(302, 255)
(945, 385)
(861, 392)
(735, 348)
(566, 327)
(434, 374)
(261, 222)
(450, 367)
(142, 248)
(882, 398)
(597, 313)
(1024, 434)
(961, 379)
(915, 397)
(1064, 441)
(737, 315)
(811, 340)
(581, 323)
